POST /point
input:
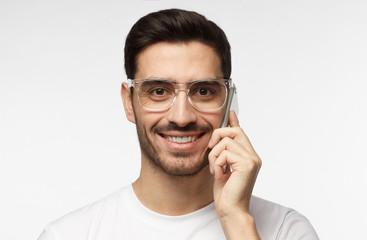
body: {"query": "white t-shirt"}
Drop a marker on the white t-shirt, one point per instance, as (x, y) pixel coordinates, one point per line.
(121, 216)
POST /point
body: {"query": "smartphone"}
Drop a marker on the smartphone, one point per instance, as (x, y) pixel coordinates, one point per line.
(232, 92)
(229, 107)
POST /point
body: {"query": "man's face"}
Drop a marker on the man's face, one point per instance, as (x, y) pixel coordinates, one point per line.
(175, 140)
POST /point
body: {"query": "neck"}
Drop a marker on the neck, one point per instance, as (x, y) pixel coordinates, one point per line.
(170, 195)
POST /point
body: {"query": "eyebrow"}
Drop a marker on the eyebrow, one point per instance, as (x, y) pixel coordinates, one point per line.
(175, 81)
(160, 78)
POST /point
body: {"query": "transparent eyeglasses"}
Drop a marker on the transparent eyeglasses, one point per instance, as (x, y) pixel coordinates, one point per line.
(207, 95)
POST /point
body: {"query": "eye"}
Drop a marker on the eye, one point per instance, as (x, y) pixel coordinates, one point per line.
(204, 89)
(156, 88)
(159, 92)
(203, 92)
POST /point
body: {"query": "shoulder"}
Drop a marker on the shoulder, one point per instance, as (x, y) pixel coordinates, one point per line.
(275, 221)
(77, 224)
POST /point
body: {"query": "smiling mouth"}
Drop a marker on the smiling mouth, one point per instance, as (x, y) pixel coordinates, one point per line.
(182, 139)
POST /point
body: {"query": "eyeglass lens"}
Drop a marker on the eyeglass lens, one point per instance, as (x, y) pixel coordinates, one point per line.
(205, 95)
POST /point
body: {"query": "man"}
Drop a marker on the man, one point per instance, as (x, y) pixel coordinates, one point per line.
(196, 178)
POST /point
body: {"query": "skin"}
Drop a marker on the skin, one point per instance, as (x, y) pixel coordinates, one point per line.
(173, 183)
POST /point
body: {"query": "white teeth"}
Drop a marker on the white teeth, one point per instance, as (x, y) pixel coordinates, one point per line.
(181, 139)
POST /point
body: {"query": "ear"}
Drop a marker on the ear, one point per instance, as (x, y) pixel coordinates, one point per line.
(127, 101)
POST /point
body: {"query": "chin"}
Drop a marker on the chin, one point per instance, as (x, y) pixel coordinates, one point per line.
(180, 165)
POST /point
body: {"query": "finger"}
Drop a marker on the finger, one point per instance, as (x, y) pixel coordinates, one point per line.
(242, 161)
(220, 133)
(226, 144)
(232, 147)
(233, 120)
(235, 133)
(236, 162)
(222, 161)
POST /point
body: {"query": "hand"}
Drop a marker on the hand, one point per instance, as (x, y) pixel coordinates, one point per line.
(233, 189)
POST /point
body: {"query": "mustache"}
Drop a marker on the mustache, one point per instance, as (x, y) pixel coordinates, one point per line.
(189, 127)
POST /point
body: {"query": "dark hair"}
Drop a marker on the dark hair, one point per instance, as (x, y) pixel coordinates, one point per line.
(175, 25)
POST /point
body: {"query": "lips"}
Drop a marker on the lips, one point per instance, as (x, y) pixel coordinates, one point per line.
(182, 142)
(174, 138)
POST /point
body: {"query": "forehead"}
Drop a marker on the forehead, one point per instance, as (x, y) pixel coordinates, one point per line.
(179, 61)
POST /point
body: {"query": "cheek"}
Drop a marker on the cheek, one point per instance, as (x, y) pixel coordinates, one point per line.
(146, 120)
(143, 119)
(214, 119)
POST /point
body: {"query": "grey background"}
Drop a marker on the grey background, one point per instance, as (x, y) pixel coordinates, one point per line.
(300, 70)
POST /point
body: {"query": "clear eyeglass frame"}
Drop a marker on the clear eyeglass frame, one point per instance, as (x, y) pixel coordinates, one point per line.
(177, 86)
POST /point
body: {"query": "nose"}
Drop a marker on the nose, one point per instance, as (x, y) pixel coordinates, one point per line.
(181, 112)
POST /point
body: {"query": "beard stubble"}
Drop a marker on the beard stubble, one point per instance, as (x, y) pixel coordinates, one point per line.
(180, 167)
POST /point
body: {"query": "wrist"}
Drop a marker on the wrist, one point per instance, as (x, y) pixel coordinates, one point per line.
(240, 225)
(238, 216)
